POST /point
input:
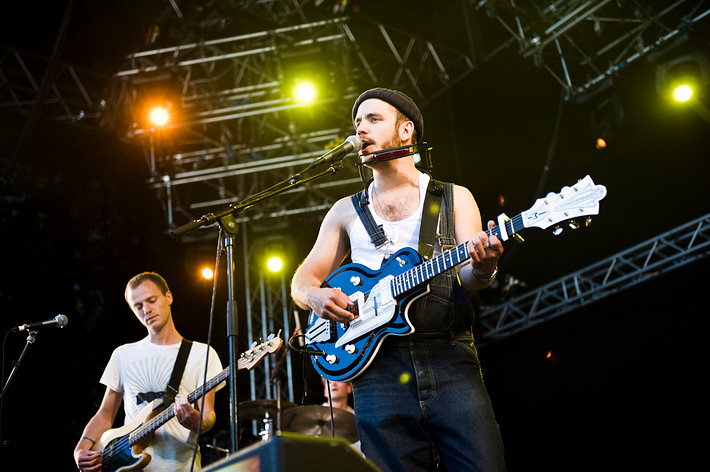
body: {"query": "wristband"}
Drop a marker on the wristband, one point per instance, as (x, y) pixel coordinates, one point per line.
(486, 278)
(89, 439)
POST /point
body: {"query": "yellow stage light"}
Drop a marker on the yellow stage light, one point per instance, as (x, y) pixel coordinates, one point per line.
(275, 264)
(683, 93)
(207, 273)
(304, 91)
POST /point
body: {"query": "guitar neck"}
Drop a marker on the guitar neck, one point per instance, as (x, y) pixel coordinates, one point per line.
(427, 270)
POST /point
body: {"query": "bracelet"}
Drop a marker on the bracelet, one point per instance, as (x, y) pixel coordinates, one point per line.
(89, 439)
(486, 278)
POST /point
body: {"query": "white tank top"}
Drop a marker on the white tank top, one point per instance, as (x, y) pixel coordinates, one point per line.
(400, 234)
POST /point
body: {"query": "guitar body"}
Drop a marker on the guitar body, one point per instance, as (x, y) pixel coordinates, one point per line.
(119, 454)
(350, 348)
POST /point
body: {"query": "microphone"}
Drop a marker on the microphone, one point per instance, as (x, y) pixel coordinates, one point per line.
(59, 321)
(351, 145)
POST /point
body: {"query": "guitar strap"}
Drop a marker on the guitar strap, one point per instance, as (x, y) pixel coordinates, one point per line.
(438, 206)
(172, 389)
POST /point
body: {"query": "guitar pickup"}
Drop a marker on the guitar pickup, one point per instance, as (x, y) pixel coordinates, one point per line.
(321, 331)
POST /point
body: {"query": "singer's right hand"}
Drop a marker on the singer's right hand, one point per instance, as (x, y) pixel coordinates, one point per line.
(331, 304)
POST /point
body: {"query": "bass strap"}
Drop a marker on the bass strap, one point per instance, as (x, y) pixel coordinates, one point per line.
(172, 389)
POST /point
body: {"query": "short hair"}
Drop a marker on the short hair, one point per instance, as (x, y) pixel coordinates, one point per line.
(154, 277)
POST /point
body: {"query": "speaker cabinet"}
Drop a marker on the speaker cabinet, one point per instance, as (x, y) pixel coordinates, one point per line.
(295, 453)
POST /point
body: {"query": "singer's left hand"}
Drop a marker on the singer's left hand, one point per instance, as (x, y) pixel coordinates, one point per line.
(485, 251)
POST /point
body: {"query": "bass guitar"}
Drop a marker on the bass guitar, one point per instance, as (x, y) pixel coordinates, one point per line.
(342, 351)
(122, 448)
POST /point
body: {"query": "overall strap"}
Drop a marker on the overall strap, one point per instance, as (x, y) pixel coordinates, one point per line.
(172, 389)
(430, 217)
(447, 237)
(377, 234)
(438, 207)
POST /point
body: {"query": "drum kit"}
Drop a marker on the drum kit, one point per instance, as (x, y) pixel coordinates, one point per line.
(311, 420)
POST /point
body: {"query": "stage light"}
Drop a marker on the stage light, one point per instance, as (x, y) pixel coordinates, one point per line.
(275, 263)
(272, 253)
(306, 75)
(304, 91)
(684, 77)
(683, 93)
(606, 121)
(158, 116)
(207, 273)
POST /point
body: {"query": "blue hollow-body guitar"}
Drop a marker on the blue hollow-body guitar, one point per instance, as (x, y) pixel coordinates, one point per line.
(382, 297)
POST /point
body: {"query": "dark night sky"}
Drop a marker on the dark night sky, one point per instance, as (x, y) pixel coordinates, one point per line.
(621, 390)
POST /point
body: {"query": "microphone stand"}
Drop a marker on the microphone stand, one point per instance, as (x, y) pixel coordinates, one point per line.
(225, 218)
(30, 340)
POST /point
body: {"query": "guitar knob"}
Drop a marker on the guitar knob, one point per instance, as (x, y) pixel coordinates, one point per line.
(355, 280)
(350, 348)
(331, 359)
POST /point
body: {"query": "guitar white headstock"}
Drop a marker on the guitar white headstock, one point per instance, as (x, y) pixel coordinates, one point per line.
(250, 358)
(582, 199)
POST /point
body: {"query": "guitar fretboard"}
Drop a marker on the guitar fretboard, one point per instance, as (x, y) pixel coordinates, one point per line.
(425, 271)
(166, 415)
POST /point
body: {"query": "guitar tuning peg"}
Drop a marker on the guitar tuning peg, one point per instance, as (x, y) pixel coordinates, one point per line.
(573, 224)
(253, 344)
(557, 230)
(588, 222)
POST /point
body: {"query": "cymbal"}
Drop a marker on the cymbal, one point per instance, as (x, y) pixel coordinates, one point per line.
(257, 409)
(314, 420)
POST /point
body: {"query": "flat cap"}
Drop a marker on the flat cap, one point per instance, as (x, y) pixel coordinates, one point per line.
(398, 100)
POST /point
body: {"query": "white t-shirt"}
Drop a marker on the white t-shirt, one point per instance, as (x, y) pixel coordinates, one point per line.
(142, 370)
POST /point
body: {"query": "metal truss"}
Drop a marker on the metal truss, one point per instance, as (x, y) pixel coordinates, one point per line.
(643, 262)
(238, 131)
(269, 308)
(73, 97)
(584, 44)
